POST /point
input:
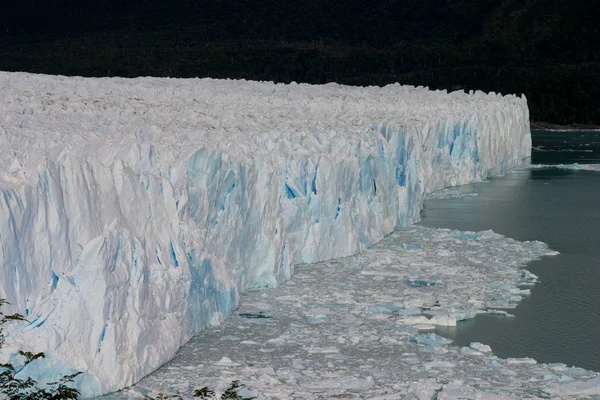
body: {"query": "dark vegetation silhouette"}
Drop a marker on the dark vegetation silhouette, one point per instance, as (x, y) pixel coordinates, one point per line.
(15, 388)
(547, 49)
(231, 393)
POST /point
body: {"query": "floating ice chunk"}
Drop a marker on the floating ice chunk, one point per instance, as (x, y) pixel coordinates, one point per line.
(431, 339)
(438, 364)
(317, 319)
(518, 291)
(559, 379)
(513, 299)
(464, 235)
(390, 396)
(333, 305)
(414, 320)
(265, 370)
(457, 390)
(524, 360)
(225, 362)
(388, 340)
(490, 234)
(323, 350)
(424, 389)
(464, 315)
(268, 380)
(433, 349)
(470, 352)
(451, 318)
(388, 308)
(506, 286)
(453, 193)
(527, 278)
(424, 327)
(378, 309)
(558, 366)
(258, 321)
(246, 393)
(587, 388)
(351, 320)
(348, 383)
(410, 311)
(443, 320)
(262, 306)
(278, 341)
(500, 312)
(480, 347)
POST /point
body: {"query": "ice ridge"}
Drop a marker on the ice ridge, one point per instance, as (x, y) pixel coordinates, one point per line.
(134, 212)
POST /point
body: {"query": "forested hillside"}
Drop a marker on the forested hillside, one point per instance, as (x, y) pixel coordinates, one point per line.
(549, 50)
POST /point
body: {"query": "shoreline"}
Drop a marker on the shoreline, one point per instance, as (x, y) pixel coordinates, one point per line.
(557, 127)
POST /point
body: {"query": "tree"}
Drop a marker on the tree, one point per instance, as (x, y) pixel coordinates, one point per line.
(14, 388)
(231, 393)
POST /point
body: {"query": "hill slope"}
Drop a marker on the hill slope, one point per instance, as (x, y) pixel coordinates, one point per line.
(547, 49)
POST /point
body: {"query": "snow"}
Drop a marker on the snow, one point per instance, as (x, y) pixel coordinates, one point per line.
(133, 213)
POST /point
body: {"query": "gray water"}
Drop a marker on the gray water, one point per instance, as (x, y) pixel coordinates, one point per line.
(560, 320)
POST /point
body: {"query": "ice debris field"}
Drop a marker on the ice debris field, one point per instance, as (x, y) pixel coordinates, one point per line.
(360, 328)
(133, 213)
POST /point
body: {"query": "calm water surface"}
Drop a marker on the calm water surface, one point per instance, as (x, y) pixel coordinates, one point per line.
(560, 320)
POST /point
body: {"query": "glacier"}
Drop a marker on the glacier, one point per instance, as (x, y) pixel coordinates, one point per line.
(133, 212)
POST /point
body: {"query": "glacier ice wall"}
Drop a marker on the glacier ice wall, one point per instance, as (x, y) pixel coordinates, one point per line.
(134, 212)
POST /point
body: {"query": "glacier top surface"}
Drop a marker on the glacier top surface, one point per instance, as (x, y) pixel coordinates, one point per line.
(50, 117)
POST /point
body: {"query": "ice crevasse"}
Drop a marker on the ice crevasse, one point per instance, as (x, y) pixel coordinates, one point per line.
(133, 212)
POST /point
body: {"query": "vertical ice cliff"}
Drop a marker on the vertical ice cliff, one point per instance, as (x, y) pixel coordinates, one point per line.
(134, 212)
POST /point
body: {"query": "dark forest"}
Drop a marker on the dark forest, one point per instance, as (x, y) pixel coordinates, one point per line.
(549, 50)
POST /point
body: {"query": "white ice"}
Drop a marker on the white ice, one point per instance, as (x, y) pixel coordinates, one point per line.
(575, 166)
(133, 213)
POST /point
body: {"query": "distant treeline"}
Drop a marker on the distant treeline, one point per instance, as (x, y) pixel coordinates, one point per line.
(547, 49)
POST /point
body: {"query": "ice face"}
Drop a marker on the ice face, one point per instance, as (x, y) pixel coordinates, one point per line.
(134, 212)
(360, 354)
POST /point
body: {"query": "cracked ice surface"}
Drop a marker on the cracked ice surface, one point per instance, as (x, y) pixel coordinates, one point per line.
(134, 212)
(357, 328)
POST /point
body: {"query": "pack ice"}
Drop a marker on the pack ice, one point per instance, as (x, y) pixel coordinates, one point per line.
(134, 212)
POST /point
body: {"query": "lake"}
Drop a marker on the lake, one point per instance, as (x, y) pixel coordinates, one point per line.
(556, 323)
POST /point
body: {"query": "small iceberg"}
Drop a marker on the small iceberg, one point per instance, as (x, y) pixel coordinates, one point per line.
(431, 339)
